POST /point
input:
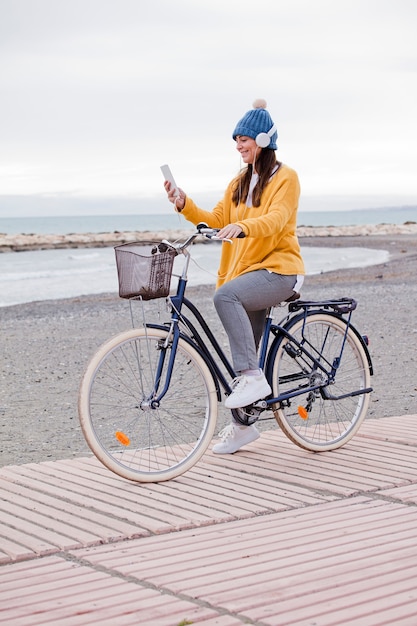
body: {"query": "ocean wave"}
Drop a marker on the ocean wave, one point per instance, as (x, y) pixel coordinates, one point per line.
(52, 274)
(84, 256)
(49, 274)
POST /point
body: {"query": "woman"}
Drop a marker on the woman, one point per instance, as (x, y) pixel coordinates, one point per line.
(262, 267)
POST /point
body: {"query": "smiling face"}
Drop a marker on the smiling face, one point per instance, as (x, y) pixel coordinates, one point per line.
(248, 148)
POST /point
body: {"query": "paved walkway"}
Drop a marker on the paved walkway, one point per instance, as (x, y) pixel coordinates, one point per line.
(272, 535)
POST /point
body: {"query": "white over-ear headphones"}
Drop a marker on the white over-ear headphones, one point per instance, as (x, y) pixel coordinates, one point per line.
(264, 139)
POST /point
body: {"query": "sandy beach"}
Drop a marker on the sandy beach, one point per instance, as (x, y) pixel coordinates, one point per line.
(46, 345)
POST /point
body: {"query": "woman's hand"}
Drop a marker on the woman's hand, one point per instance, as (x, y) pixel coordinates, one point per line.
(231, 231)
(178, 201)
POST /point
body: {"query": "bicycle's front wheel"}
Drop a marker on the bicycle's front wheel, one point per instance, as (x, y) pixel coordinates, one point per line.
(328, 417)
(127, 435)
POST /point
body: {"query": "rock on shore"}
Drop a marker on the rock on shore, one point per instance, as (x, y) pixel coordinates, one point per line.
(16, 243)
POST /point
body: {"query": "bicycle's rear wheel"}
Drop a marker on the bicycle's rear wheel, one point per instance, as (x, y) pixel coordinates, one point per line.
(312, 420)
(129, 437)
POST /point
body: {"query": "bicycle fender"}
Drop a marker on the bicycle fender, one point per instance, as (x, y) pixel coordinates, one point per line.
(293, 320)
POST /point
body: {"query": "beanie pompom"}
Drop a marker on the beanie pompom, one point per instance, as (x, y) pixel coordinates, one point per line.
(260, 103)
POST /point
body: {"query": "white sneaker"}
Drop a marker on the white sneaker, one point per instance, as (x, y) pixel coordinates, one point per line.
(234, 437)
(247, 389)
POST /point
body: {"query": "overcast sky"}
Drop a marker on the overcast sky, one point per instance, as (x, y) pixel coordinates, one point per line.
(96, 94)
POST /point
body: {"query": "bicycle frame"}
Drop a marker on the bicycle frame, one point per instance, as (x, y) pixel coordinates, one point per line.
(196, 340)
(178, 301)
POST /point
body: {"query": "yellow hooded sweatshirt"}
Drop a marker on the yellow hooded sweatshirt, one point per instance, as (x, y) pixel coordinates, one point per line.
(271, 242)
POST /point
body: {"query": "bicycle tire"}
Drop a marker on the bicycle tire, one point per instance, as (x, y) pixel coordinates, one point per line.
(130, 438)
(314, 422)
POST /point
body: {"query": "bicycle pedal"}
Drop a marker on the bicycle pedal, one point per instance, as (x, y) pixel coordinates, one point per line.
(260, 404)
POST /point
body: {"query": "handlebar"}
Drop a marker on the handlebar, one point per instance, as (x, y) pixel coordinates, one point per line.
(202, 229)
(210, 233)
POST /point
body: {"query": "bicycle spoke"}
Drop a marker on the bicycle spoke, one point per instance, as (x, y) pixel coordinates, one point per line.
(327, 417)
(122, 427)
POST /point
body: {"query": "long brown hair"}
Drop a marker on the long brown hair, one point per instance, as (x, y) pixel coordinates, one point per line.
(265, 164)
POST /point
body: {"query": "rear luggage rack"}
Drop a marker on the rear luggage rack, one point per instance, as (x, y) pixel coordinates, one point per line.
(341, 305)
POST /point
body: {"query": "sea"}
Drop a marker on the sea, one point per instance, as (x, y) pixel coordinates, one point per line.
(67, 224)
(63, 273)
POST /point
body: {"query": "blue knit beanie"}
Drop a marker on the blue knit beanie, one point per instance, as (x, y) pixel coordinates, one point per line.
(256, 121)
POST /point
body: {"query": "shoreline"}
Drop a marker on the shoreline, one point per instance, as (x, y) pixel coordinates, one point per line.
(23, 242)
(398, 258)
(47, 344)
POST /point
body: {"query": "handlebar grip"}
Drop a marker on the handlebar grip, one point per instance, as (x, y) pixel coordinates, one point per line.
(201, 226)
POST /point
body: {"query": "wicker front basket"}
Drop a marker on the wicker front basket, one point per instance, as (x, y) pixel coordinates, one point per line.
(143, 270)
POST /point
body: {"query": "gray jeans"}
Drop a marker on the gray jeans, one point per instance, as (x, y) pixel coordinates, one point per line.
(242, 304)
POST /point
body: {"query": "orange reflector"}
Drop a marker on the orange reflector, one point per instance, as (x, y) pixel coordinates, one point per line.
(122, 438)
(302, 412)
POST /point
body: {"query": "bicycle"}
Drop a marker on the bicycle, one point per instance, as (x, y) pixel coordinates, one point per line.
(148, 400)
